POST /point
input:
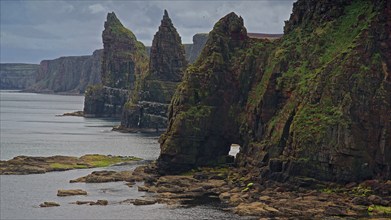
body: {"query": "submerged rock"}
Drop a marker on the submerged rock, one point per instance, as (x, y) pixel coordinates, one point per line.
(98, 202)
(104, 176)
(144, 202)
(71, 192)
(49, 204)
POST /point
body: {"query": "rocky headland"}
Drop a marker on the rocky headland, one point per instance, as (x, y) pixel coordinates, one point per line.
(167, 62)
(313, 103)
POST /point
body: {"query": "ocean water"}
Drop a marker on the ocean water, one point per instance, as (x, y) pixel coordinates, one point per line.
(29, 126)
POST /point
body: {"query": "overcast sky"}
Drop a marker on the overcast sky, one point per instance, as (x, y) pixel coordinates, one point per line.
(33, 30)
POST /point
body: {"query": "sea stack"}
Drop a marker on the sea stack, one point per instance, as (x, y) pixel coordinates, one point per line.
(124, 60)
(167, 62)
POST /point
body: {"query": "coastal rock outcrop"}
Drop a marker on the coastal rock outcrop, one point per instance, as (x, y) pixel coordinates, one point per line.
(17, 75)
(167, 61)
(67, 74)
(123, 62)
(314, 103)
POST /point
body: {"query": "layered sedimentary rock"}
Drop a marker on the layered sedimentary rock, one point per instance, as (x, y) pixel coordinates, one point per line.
(124, 60)
(314, 103)
(167, 61)
(68, 74)
(17, 75)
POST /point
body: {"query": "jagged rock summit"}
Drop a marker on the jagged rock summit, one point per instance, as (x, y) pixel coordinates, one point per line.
(167, 53)
(314, 103)
(167, 62)
(124, 61)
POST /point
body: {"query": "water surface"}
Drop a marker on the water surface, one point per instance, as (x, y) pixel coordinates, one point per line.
(29, 126)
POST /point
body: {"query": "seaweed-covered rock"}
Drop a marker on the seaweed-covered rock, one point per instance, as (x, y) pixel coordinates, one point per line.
(314, 103)
(167, 62)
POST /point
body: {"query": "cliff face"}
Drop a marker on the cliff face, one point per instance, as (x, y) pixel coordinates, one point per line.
(194, 50)
(17, 75)
(68, 74)
(314, 103)
(124, 60)
(167, 62)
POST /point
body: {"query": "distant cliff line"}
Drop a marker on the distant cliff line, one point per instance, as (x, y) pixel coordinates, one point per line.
(72, 74)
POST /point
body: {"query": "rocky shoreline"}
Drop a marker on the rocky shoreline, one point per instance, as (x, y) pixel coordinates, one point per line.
(235, 189)
(21, 165)
(244, 195)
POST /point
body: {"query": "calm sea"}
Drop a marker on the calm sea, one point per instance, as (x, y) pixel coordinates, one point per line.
(29, 125)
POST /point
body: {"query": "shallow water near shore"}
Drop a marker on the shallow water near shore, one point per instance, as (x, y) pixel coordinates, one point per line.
(29, 126)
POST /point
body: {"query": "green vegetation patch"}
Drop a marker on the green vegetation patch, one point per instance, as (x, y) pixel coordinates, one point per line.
(378, 209)
(97, 160)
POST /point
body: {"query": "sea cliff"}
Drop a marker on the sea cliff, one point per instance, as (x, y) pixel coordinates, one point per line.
(17, 75)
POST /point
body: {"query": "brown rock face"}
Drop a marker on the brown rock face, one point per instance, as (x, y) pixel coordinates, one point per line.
(167, 62)
(314, 103)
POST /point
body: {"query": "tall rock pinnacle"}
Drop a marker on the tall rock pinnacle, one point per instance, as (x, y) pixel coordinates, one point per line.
(120, 50)
(167, 59)
(166, 66)
(123, 62)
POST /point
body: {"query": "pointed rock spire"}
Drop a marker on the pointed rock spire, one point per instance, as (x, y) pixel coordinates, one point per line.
(167, 59)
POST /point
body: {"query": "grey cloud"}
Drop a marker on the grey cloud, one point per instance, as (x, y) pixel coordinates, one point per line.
(63, 27)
